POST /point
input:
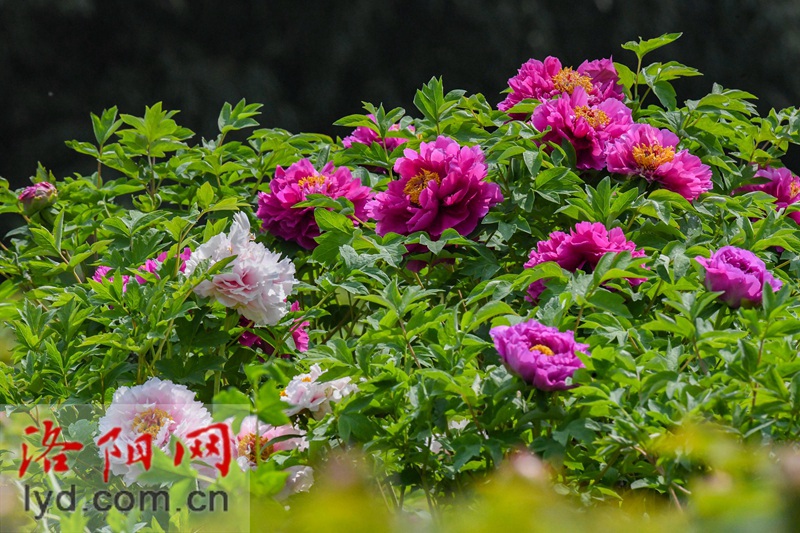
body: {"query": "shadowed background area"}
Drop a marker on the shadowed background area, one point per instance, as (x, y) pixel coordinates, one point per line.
(312, 62)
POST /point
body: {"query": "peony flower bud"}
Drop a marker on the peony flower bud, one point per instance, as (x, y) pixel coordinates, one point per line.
(37, 197)
(739, 275)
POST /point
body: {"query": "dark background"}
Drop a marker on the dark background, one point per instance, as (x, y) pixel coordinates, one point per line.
(311, 62)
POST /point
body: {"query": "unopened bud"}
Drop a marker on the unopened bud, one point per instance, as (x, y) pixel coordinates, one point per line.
(37, 197)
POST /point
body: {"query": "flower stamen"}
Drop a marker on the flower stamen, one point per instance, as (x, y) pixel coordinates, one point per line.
(595, 117)
(794, 188)
(247, 448)
(151, 421)
(419, 183)
(542, 349)
(316, 180)
(652, 156)
(567, 80)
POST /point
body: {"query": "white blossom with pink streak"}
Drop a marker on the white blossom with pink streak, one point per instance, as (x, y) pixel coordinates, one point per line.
(305, 391)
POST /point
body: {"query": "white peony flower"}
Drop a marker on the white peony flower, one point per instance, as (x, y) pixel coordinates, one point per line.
(305, 392)
(256, 283)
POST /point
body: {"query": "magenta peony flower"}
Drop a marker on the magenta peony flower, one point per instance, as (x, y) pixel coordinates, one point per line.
(650, 152)
(37, 197)
(739, 274)
(782, 184)
(245, 441)
(541, 355)
(365, 135)
(158, 408)
(101, 275)
(184, 255)
(581, 249)
(299, 336)
(589, 128)
(257, 281)
(290, 187)
(442, 186)
(543, 81)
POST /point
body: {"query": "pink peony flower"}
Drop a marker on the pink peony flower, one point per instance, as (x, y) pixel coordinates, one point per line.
(37, 197)
(541, 355)
(158, 408)
(249, 438)
(184, 256)
(739, 274)
(290, 187)
(782, 184)
(304, 391)
(367, 136)
(101, 275)
(299, 336)
(542, 81)
(256, 282)
(589, 128)
(581, 249)
(442, 186)
(652, 153)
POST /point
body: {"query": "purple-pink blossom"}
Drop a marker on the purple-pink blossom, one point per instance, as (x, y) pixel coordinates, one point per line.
(543, 356)
(366, 135)
(544, 80)
(588, 127)
(299, 335)
(581, 249)
(652, 153)
(441, 186)
(782, 184)
(291, 186)
(739, 274)
(254, 444)
(37, 197)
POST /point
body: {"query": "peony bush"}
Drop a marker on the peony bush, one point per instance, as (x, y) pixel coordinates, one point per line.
(580, 296)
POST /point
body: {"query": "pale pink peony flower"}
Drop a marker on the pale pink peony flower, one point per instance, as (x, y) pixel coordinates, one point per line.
(289, 187)
(542, 355)
(158, 408)
(652, 153)
(300, 479)
(782, 184)
(544, 80)
(304, 391)
(255, 284)
(581, 249)
(249, 438)
(589, 128)
(442, 186)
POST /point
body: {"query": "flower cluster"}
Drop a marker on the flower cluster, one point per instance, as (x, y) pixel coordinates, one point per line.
(782, 184)
(151, 265)
(739, 274)
(305, 391)
(441, 186)
(581, 249)
(289, 187)
(257, 281)
(584, 107)
(543, 356)
(544, 80)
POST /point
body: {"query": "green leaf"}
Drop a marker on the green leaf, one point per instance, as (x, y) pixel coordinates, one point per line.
(644, 47)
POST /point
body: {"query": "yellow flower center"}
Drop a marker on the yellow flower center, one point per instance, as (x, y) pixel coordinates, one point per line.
(311, 181)
(151, 421)
(794, 188)
(595, 117)
(542, 349)
(650, 157)
(418, 183)
(247, 448)
(283, 393)
(306, 379)
(567, 79)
